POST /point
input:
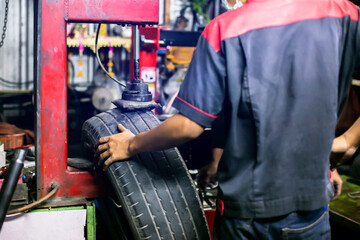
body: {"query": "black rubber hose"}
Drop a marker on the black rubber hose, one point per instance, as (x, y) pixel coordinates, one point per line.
(10, 182)
(99, 60)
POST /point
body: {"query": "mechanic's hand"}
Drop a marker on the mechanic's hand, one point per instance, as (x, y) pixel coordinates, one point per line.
(114, 148)
(340, 151)
(207, 176)
(337, 183)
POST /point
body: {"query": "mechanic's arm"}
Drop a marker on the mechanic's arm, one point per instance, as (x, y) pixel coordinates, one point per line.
(345, 145)
(352, 136)
(173, 132)
(208, 174)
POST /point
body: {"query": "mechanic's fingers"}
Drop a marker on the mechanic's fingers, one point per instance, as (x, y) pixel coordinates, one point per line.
(336, 194)
(102, 141)
(203, 182)
(106, 166)
(105, 155)
(339, 188)
(107, 163)
(100, 149)
(121, 128)
(213, 181)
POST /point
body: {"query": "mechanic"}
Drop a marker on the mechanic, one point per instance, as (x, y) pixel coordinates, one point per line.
(280, 71)
(341, 151)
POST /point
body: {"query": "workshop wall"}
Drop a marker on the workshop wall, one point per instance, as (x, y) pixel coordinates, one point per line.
(17, 53)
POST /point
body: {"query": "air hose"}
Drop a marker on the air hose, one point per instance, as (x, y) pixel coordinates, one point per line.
(54, 187)
(10, 182)
(9, 185)
(98, 58)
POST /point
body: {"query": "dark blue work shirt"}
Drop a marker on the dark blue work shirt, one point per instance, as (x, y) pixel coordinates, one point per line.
(280, 70)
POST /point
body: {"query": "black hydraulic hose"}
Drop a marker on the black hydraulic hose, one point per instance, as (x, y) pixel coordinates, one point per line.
(99, 60)
(10, 182)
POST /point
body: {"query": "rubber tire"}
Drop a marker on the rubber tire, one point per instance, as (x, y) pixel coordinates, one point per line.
(155, 189)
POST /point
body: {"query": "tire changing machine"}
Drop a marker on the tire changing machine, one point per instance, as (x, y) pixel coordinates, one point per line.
(171, 208)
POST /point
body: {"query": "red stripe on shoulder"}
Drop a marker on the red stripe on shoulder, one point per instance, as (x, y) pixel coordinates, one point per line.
(213, 35)
(197, 109)
(257, 14)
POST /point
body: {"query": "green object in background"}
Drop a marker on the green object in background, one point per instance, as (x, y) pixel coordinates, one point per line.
(90, 221)
(53, 209)
(345, 210)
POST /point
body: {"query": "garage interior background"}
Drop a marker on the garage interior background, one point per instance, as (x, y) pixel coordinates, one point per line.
(90, 91)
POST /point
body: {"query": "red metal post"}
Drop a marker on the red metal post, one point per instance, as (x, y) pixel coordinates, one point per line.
(210, 218)
(51, 88)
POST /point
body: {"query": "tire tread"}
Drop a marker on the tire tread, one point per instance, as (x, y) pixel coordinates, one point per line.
(155, 189)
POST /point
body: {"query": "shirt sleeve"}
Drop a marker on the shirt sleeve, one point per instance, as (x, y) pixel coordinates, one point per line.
(350, 59)
(203, 90)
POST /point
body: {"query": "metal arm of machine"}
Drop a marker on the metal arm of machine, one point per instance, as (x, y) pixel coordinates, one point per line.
(136, 47)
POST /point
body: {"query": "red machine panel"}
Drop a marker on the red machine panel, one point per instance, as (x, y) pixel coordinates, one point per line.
(51, 84)
(126, 11)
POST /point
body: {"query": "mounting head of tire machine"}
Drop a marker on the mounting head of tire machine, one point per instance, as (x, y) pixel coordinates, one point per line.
(136, 96)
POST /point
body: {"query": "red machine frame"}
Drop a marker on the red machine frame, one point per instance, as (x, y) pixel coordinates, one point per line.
(51, 84)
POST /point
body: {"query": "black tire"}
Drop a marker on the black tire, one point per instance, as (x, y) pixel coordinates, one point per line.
(155, 189)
